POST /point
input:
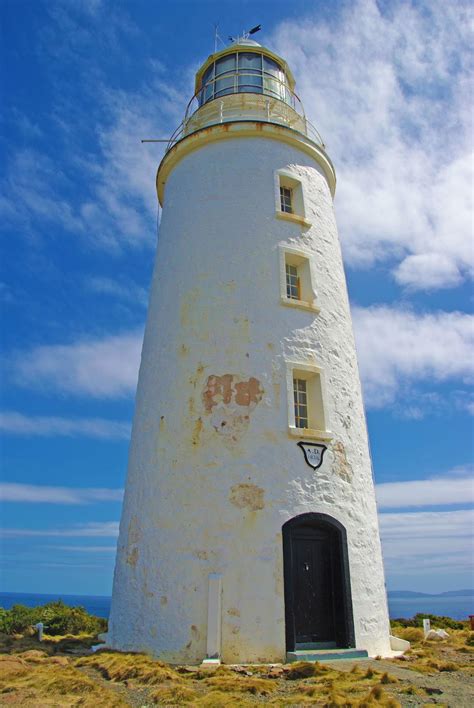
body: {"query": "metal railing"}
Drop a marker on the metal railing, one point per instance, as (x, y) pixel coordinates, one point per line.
(245, 101)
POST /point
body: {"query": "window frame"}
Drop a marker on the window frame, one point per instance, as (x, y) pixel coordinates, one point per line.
(286, 200)
(306, 273)
(285, 179)
(316, 396)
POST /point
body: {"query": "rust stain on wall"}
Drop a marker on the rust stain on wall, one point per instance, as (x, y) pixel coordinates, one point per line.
(133, 531)
(341, 466)
(247, 496)
(132, 557)
(233, 612)
(197, 432)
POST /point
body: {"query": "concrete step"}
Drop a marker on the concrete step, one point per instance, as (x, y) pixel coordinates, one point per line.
(325, 654)
(315, 646)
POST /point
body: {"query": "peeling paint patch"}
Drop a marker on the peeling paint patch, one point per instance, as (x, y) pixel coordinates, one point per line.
(163, 600)
(229, 400)
(228, 388)
(202, 555)
(341, 466)
(247, 496)
(218, 389)
(248, 392)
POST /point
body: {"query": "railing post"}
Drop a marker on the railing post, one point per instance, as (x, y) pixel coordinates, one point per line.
(267, 103)
(221, 110)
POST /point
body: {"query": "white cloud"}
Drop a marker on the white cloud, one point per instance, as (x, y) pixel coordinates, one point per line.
(398, 346)
(99, 529)
(102, 368)
(98, 136)
(46, 426)
(41, 494)
(32, 194)
(426, 271)
(454, 488)
(124, 290)
(389, 89)
(421, 542)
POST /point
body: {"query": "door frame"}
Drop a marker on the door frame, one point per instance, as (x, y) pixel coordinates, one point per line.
(344, 620)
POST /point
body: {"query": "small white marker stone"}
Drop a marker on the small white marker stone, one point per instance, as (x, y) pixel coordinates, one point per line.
(426, 627)
(40, 628)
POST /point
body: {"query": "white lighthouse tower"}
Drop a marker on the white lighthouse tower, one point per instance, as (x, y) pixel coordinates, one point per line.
(249, 529)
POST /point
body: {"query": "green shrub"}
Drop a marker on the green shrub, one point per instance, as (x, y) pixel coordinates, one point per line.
(58, 619)
(438, 621)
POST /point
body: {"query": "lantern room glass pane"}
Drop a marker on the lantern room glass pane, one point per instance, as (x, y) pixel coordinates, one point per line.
(273, 87)
(207, 91)
(250, 83)
(225, 64)
(271, 67)
(250, 62)
(225, 85)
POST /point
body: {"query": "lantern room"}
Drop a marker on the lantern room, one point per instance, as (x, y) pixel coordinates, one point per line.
(245, 67)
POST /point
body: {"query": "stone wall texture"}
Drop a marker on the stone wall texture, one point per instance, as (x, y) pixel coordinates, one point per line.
(213, 472)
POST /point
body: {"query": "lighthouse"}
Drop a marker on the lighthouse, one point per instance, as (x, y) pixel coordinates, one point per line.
(249, 528)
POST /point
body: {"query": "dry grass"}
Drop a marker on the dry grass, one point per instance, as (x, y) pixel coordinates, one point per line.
(434, 656)
(40, 681)
(241, 684)
(411, 634)
(33, 675)
(140, 668)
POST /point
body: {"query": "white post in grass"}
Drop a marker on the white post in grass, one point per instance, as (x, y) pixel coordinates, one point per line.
(214, 619)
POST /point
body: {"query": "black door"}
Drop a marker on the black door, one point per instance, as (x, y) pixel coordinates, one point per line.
(312, 586)
(318, 604)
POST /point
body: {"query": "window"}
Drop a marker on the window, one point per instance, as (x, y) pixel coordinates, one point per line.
(292, 282)
(290, 198)
(285, 200)
(301, 403)
(297, 278)
(306, 409)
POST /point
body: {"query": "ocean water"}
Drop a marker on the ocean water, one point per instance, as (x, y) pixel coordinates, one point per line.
(94, 604)
(458, 608)
(455, 607)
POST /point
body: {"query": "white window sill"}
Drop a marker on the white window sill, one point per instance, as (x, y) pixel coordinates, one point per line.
(301, 304)
(309, 433)
(294, 218)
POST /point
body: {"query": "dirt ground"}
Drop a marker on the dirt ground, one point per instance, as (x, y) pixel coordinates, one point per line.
(63, 672)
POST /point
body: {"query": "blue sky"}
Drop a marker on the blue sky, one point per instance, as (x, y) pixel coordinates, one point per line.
(387, 85)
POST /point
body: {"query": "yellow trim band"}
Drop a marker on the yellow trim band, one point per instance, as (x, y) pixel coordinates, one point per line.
(242, 129)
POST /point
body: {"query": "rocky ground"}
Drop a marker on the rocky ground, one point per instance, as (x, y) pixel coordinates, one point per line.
(63, 672)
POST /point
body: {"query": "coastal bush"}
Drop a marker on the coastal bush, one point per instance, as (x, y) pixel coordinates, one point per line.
(58, 619)
(438, 621)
